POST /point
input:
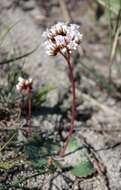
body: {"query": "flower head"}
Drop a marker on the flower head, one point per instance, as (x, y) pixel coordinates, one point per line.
(62, 37)
(24, 84)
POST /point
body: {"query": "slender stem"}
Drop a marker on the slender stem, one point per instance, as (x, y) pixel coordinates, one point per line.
(30, 110)
(73, 111)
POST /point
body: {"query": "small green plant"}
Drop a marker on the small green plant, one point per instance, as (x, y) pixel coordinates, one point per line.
(39, 150)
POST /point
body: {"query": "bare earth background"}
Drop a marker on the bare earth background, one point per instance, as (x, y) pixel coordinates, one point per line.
(98, 116)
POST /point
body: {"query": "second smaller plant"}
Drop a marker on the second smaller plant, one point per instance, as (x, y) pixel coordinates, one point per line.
(26, 85)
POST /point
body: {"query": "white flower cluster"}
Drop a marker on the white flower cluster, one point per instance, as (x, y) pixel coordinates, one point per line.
(23, 84)
(62, 37)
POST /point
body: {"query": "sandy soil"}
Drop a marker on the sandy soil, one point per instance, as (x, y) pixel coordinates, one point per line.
(98, 101)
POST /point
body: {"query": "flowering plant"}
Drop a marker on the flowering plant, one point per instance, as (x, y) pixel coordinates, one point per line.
(63, 38)
(26, 85)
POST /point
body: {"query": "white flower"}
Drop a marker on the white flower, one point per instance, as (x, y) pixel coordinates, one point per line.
(29, 81)
(18, 87)
(74, 35)
(24, 84)
(60, 41)
(72, 45)
(21, 80)
(52, 49)
(62, 37)
(74, 26)
(59, 29)
(63, 50)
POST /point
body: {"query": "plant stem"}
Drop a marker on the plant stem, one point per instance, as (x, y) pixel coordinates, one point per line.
(30, 110)
(73, 110)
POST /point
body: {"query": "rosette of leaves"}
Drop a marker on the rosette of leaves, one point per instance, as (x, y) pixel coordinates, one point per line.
(39, 149)
(77, 160)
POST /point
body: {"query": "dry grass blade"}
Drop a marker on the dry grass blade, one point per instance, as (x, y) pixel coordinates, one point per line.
(113, 51)
(11, 138)
(8, 29)
(6, 61)
(104, 4)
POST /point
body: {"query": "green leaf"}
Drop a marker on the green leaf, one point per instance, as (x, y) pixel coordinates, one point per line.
(40, 164)
(84, 169)
(40, 95)
(73, 144)
(39, 149)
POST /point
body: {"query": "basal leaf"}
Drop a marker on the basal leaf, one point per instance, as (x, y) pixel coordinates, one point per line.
(40, 164)
(39, 149)
(73, 144)
(84, 169)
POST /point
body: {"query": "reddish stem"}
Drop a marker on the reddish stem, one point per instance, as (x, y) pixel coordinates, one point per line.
(73, 111)
(30, 110)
